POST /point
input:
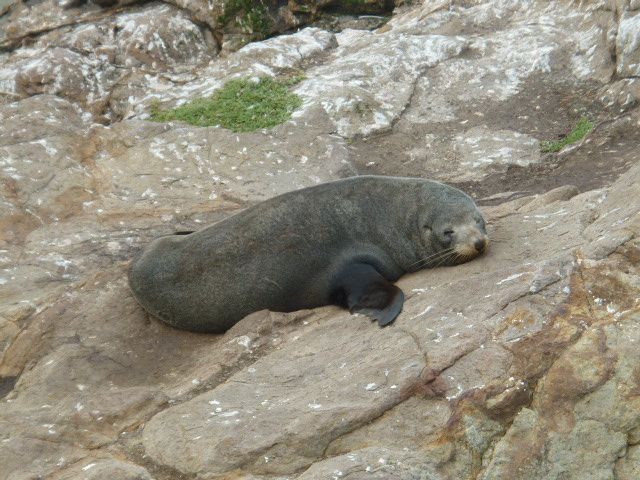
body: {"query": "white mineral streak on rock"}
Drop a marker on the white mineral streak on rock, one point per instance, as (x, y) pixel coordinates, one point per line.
(628, 45)
(425, 311)
(589, 62)
(320, 394)
(368, 83)
(510, 278)
(483, 151)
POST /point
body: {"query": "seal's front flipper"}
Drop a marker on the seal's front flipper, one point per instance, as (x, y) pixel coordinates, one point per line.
(386, 315)
(369, 293)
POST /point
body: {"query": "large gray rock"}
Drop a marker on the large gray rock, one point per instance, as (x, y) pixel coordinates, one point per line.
(230, 24)
(212, 166)
(527, 44)
(368, 83)
(482, 151)
(84, 63)
(520, 364)
(628, 45)
(470, 339)
(67, 74)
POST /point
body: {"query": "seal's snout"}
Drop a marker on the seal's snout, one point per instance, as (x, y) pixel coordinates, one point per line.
(470, 241)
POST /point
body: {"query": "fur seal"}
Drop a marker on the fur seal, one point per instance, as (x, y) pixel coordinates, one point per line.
(343, 242)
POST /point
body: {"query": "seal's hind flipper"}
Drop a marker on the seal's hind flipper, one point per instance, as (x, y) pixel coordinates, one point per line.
(369, 293)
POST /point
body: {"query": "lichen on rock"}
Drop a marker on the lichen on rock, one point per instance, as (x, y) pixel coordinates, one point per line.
(520, 364)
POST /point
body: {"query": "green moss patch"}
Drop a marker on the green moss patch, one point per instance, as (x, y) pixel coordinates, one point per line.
(252, 16)
(582, 128)
(242, 105)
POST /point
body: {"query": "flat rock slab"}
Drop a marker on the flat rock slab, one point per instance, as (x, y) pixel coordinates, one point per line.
(521, 364)
(368, 83)
(483, 109)
(374, 463)
(104, 469)
(151, 165)
(262, 415)
(260, 419)
(483, 151)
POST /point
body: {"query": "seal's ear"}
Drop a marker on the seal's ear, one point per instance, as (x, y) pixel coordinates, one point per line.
(369, 293)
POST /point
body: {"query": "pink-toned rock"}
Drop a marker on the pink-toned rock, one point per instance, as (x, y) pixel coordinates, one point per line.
(521, 364)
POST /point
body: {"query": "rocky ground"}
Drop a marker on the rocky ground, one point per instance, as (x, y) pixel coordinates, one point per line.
(523, 364)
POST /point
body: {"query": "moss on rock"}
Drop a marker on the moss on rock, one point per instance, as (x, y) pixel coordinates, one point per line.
(242, 105)
(582, 128)
(251, 16)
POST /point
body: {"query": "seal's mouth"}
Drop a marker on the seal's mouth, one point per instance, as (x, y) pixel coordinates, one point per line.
(470, 250)
(473, 244)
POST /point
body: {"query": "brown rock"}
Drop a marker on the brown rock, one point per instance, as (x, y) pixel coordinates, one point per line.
(103, 469)
(521, 364)
(360, 382)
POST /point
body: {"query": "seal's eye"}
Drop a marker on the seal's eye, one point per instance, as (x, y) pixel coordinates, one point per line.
(426, 227)
(447, 236)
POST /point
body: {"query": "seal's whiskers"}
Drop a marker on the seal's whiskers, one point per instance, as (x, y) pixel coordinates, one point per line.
(434, 256)
(446, 258)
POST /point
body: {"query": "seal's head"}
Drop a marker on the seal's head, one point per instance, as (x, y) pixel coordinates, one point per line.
(453, 230)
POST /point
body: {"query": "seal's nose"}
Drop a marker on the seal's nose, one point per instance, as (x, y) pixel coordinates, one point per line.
(480, 245)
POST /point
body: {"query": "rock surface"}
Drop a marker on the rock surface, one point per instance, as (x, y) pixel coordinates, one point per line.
(521, 364)
(231, 23)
